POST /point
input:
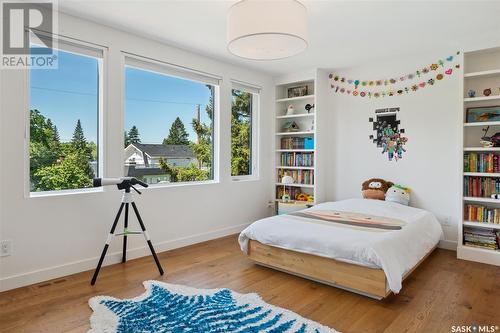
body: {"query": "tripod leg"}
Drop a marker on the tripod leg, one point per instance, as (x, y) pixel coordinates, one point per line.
(125, 226)
(110, 236)
(146, 235)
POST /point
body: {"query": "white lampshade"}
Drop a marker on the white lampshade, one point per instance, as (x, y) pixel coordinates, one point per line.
(267, 30)
(287, 180)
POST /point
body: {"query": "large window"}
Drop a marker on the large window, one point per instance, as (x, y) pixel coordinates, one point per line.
(244, 108)
(64, 120)
(169, 123)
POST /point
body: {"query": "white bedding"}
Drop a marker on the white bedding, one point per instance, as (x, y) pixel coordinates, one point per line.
(395, 251)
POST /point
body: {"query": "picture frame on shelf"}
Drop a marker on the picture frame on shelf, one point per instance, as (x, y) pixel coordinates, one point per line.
(482, 114)
(298, 91)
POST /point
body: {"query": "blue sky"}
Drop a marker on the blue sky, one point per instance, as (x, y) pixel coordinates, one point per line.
(152, 101)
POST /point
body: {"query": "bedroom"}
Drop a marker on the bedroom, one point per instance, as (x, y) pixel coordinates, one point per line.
(268, 134)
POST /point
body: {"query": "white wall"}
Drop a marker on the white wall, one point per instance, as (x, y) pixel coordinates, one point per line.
(432, 120)
(58, 235)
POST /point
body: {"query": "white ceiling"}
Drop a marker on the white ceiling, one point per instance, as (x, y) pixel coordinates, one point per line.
(341, 33)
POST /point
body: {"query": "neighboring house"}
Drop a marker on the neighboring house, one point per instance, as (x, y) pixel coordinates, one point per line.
(143, 160)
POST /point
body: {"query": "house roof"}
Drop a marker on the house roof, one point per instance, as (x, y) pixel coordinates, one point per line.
(167, 151)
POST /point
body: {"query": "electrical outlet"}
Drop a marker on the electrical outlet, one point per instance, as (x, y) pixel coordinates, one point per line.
(5, 248)
(446, 220)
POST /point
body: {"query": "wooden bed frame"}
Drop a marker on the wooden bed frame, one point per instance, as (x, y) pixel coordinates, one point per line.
(367, 281)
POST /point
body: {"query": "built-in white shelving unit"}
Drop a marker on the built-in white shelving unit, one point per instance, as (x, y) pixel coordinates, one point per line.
(481, 71)
(317, 89)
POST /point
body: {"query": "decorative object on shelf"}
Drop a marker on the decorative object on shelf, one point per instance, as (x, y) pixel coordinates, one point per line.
(309, 143)
(375, 188)
(482, 114)
(398, 193)
(290, 110)
(309, 107)
(471, 93)
(304, 197)
(487, 92)
(297, 91)
(266, 30)
(286, 180)
(389, 136)
(291, 126)
(490, 141)
(495, 196)
(311, 127)
(393, 80)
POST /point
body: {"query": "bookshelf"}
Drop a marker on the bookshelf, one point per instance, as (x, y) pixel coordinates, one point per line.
(481, 165)
(292, 155)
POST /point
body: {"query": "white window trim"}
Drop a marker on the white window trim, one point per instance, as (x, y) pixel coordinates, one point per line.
(184, 73)
(88, 49)
(255, 91)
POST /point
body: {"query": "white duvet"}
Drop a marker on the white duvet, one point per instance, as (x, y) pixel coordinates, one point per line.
(395, 251)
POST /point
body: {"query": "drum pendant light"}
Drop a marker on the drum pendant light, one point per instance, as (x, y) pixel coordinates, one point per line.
(267, 29)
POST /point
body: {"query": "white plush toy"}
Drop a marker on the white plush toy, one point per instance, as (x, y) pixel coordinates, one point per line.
(399, 194)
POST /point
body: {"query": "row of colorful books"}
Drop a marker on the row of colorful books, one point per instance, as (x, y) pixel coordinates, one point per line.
(481, 162)
(297, 159)
(305, 177)
(481, 186)
(297, 143)
(480, 213)
(482, 238)
(292, 191)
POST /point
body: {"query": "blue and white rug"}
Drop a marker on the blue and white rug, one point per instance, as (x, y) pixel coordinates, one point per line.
(174, 308)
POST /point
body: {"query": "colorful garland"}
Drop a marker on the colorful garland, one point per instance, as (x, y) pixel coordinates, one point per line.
(416, 74)
(392, 92)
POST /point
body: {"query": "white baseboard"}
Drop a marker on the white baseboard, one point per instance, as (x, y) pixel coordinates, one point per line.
(448, 245)
(25, 279)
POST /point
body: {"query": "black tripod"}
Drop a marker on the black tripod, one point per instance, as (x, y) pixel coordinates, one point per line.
(127, 200)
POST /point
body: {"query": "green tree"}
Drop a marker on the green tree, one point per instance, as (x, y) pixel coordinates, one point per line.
(79, 142)
(184, 174)
(133, 135)
(126, 140)
(65, 175)
(177, 134)
(241, 115)
(44, 143)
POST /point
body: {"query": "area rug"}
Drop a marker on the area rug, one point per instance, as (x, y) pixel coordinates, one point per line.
(174, 308)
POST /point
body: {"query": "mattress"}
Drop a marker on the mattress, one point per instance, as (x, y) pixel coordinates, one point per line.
(365, 232)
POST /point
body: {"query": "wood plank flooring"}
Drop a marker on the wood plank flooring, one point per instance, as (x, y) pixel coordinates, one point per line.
(442, 292)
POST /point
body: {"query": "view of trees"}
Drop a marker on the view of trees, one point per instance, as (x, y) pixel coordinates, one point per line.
(241, 133)
(56, 165)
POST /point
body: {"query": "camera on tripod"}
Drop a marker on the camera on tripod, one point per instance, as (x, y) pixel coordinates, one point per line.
(124, 183)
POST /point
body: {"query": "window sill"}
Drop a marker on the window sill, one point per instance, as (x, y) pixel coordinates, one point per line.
(60, 193)
(179, 184)
(239, 179)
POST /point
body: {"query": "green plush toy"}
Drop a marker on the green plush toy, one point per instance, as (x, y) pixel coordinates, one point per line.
(398, 193)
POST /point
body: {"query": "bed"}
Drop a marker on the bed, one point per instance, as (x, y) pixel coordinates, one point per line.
(365, 246)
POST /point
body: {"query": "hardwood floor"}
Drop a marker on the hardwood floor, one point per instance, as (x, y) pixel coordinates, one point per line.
(442, 292)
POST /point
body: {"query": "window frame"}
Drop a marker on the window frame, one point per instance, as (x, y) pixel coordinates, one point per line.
(184, 73)
(254, 129)
(71, 45)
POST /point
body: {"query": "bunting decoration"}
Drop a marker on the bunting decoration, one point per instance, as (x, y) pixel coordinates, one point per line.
(427, 76)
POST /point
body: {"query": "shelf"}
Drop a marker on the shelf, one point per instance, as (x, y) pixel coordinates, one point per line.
(482, 174)
(296, 185)
(493, 72)
(294, 167)
(481, 149)
(484, 200)
(482, 225)
(295, 133)
(295, 98)
(295, 150)
(479, 249)
(484, 123)
(304, 115)
(485, 256)
(482, 98)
